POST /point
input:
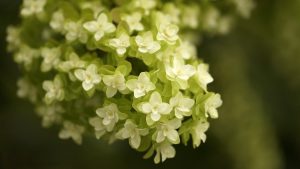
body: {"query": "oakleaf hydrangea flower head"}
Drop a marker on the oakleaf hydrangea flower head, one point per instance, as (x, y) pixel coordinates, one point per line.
(124, 69)
(155, 108)
(100, 27)
(140, 86)
(89, 77)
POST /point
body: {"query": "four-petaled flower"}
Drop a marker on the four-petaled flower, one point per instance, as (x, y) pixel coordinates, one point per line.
(155, 108)
(202, 76)
(198, 132)
(181, 105)
(168, 130)
(121, 43)
(110, 115)
(140, 86)
(132, 132)
(31, 7)
(164, 150)
(99, 127)
(114, 83)
(54, 90)
(73, 62)
(146, 44)
(134, 21)
(168, 33)
(211, 105)
(75, 31)
(89, 77)
(73, 131)
(50, 58)
(100, 27)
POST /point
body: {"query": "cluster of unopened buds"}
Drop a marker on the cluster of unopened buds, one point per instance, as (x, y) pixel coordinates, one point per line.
(124, 69)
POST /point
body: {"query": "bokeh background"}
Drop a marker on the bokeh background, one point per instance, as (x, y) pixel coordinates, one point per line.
(256, 69)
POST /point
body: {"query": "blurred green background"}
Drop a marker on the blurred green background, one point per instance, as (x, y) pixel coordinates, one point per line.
(256, 69)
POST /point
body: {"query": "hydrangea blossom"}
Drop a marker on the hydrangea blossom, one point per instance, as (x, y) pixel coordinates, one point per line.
(122, 70)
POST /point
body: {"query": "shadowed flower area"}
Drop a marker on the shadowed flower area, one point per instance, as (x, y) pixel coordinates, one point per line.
(254, 66)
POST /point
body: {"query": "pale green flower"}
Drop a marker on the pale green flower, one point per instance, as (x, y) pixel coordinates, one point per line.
(89, 77)
(51, 58)
(140, 86)
(190, 16)
(202, 76)
(71, 130)
(72, 62)
(57, 21)
(146, 44)
(181, 105)
(100, 27)
(99, 127)
(114, 83)
(155, 107)
(95, 6)
(172, 12)
(13, 38)
(134, 21)
(109, 115)
(186, 50)
(74, 31)
(121, 43)
(132, 132)
(198, 132)
(211, 105)
(168, 33)
(163, 151)
(31, 7)
(27, 90)
(179, 72)
(145, 5)
(50, 114)
(54, 90)
(211, 19)
(168, 130)
(26, 56)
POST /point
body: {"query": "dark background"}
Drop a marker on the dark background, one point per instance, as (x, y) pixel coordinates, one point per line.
(256, 69)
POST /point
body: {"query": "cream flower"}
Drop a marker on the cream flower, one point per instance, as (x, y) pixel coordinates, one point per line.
(75, 31)
(73, 131)
(140, 86)
(211, 105)
(54, 90)
(168, 130)
(146, 44)
(134, 21)
(163, 151)
(99, 127)
(89, 77)
(72, 62)
(31, 7)
(51, 58)
(114, 83)
(182, 105)
(57, 21)
(198, 132)
(168, 33)
(109, 115)
(121, 43)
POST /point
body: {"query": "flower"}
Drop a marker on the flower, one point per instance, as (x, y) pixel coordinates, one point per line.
(13, 38)
(134, 21)
(27, 90)
(145, 4)
(155, 107)
(120, 44)
(89, 77)
(50, 114)
(109, 115)
(181, 105)
(72, 62)
(114, 83)
(140, 86)
(26, 56)
(31, 7)
(98, 125)
(73, 131)
(198, 132)
(99, 27)
(186, 50)
(132, 132)
(168, 130)
(168, 33)
(211, 105)
(202, 76)
(146, 44)
(163, 151)
(179, 72)
(75, 31)
(57, 21)
(54, 90)
(50, 58)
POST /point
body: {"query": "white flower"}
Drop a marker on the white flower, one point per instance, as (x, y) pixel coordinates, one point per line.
(13, 38)
(120, 44)
(134, 21)
(100, 27)
(168, 32)
(140, 86)
(98, 125)
(182, 105)
(50, 58)
(114, 83)
(72, 62)
(54, 90)
(211, 105)
(155, 107)
(31, 7)
(168, 130)
(50, 114)
(163, 151)
(190, 16)
(73, 131)
(147, 5)
(75, 31)
(179, 72)
(132, 132)
(89, 77)
(109, 115)
(198, 132)
(57, 21)
(26, 56)
(27, 89)
(172, 12)
(202, 76)
(186, 50)
(146, 44)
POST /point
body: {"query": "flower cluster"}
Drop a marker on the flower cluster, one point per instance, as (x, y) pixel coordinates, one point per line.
(121, 70)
